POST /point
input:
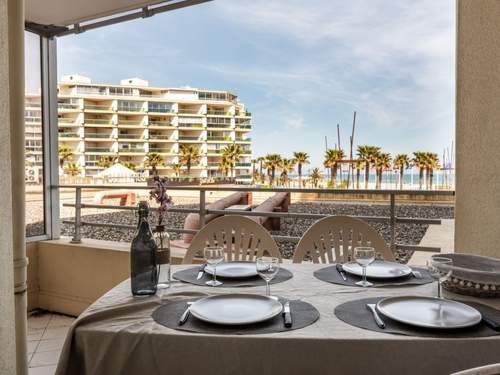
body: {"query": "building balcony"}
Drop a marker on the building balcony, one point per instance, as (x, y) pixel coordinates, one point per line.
(91, 121)
(243, 114)
(219, 126)
(241, 127)
(97, 108)
(99, 150)
(161, 150)
(213, 112)
(131, 110)
(190, 138)
(68, 135)
(162, 124)
(190, 126)
(99, 136)
(68, 107)
(131, 136)
(132, 150)
(63, 122)
(161, 111)
(243, 164)
(162, 138)
(191, 112)
(219, 139)
(244, 140)
(213, 151)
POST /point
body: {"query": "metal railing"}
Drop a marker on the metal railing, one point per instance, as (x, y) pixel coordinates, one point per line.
(202, 210)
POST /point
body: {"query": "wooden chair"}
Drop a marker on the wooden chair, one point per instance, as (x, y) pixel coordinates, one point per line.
(332, 239)
(242, 239)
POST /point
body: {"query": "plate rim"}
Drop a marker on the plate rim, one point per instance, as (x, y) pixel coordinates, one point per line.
(209, 271)
(409, 270)
(391, 316)
(236, 295)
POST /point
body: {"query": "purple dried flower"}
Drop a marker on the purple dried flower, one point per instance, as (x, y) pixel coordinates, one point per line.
(159, 194)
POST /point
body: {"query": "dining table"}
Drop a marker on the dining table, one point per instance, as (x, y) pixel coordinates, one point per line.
(117, 335)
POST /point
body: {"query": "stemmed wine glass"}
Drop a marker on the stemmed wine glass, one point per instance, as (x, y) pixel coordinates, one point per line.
(213, 256)
(267, 268)
(364, 256)
(440, 270)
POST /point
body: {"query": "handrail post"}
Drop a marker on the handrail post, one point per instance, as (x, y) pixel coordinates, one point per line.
(77, 237)
(393, 223)
(202, 208)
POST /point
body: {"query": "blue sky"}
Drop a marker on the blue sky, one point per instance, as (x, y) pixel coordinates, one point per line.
(301, 67)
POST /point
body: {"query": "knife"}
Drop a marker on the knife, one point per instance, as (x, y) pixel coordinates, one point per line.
(491, 323)
(341, 271)
(372, 308)
(185, 315)
(287, 314)
(201, 272)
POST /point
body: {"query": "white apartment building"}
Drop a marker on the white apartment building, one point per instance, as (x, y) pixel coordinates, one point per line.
(130, 120)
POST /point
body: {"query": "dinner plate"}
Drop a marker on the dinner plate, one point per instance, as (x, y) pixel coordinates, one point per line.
(233, 270)
(429, 312)
(379, 269)
(236, 309)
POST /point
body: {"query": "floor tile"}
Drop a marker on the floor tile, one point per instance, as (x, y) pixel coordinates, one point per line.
(45, 370)
(39, 321)
(32, 345)
(45, 358)
(49, 345)
(60, 321)
(55, 333)
(35, 334)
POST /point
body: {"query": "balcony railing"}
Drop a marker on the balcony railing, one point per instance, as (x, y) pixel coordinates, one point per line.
(99, 135)
(213, 138)
(130, 122)
(188, 112)
(130, 109)
(160, 123)
(223, 126)
(131, 136)
(243, 139)
(33, 119)
(98, 149)
(200, 126)
(68, 135)
(189, 138)
(161, 150)
(98, 107)
(213, 151)
(161, 110)
(241, 126)
(91, 121)
(68, 106)
(203, 211)
(243, 164)
(218, 113)
(132, 149)
(161, 136)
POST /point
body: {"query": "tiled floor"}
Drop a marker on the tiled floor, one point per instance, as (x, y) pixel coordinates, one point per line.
(46, 334)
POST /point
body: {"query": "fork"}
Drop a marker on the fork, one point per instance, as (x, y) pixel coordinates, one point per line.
(185, 315)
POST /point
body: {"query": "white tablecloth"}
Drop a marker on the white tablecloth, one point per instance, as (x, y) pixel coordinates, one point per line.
(116, 335)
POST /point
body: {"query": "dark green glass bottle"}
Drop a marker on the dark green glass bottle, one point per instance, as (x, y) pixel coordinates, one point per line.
(143, 264)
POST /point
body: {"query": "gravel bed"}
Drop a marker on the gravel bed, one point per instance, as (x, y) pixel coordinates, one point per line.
(405, 233)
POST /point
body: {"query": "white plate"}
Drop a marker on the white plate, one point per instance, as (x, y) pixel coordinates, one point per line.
(379, 269)
(236, 309)
(233, 270)
(429, 312)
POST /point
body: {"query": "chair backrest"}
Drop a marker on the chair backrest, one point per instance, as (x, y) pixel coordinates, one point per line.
(242, 239)
(331, 240)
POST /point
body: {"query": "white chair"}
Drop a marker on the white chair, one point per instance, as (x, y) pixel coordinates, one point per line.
(493, 369)
(242, 239)
(332, 239)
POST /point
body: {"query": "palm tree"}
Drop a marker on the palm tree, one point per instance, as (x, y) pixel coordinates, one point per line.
(286, 166)
(189, 155)
(301, 158)
(367, 155)
(153, 159)
(225, 166)
(419, 161)
(382, 162)
(261, 161)
(106, 161)
(360, 164)
(254, 170)
(272, 162)
(129, 165)
(315, 176)
(401, 162)
(65, 153)
(72, 169)
(332, 161)
(176, 167)
(432, 162)
(233, 154)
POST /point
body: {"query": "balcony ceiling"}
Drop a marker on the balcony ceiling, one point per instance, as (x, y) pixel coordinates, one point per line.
(69, 12)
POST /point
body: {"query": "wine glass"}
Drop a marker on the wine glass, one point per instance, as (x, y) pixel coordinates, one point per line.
(213, 256)
(364, 256)
(267, 268)
(440, 270)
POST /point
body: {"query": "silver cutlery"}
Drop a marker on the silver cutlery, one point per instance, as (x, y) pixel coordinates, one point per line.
(185, 315)
(341, 271)
(372, 307)
(287, 314)
(201, 271)
(491, 323)
(416, 274)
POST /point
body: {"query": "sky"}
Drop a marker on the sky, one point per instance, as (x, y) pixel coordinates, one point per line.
(301, 67)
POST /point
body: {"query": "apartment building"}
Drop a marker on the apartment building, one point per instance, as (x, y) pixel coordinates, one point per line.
(130, 120)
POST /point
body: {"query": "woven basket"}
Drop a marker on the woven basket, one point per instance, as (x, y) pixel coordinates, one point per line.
(474, 275)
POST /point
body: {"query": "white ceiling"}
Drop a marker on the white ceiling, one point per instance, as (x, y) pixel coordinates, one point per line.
(68, 12)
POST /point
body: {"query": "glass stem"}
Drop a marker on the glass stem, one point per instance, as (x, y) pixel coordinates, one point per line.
(364, 274)
(215, 274)
(439, 288)
(268, 290)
